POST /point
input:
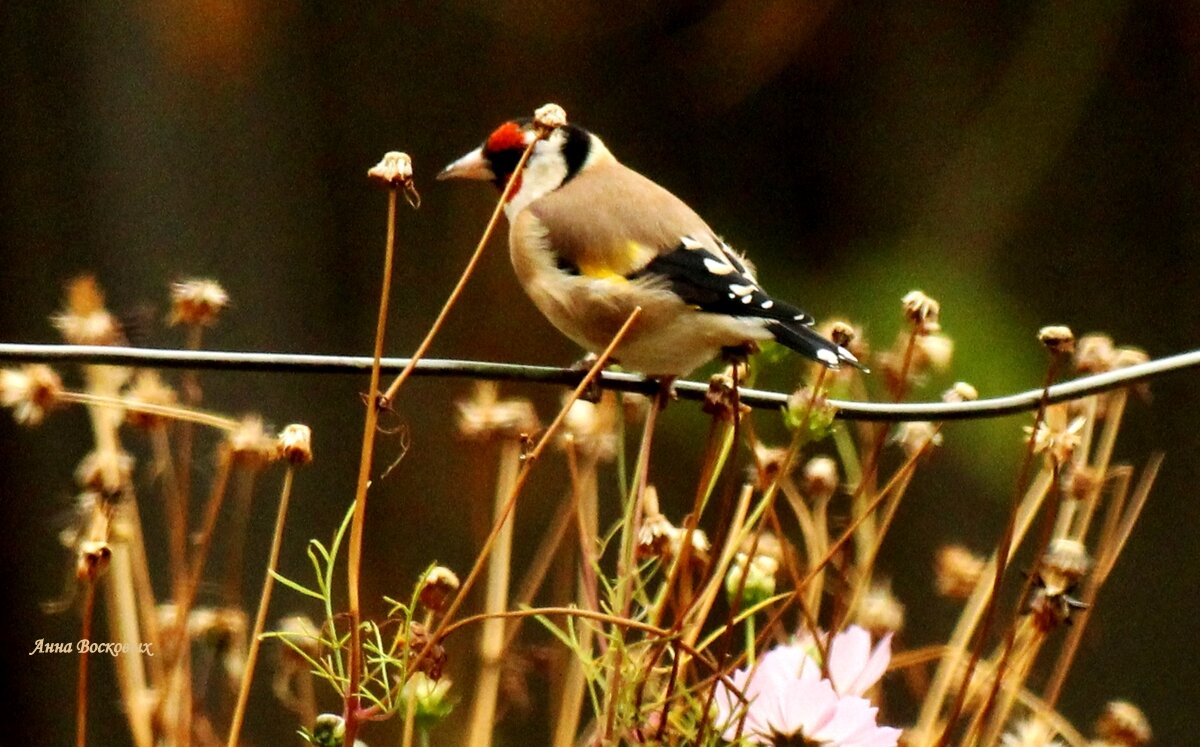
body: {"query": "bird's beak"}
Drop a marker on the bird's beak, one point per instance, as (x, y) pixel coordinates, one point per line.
(471, 166)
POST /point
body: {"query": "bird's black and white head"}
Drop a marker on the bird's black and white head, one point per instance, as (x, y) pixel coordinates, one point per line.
(555, 160)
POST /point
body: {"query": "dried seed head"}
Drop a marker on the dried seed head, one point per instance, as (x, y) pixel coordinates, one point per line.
(150, 389)
(591, 427)
(1051, 605)
(295, 444)
(437, 588)
(722, 400)
(1123, 723)
(880, 611)
(92, 559)
(549, 117)
(85, 320)
(1095, 353)
(820, 478)
(251, 445)
(768, 461)
(932, 351)
(1081, 481)
(1058, 339)
(961, 392)
(105, 472)
(1065, 562)
(916, 436)
(485, 415)
(922, 312)
(435, 660)
(841, 333)
(197, 302)
(393, 170)
(849, 336)
(30, 391)
(957, 571)
(654, 537)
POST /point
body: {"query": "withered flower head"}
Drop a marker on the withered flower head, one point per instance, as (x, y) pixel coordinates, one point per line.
(932, 351)
(92, 559)
(150, 389)
(394, 169)
(591, 427)
(1065, 562)
(252, 446)
(722, 400)
(295, 444)
(85, 321)
(957, 571)
(1095, 353)
(880, 611)
(435, 660)
(1030, 733)
(961, 392)
(1057, 339)
(654, 536)
(485, 415)
(922, 312)
(429, 697)
(439, 585)
(30, 391)
(1055, 435)
(549, 117)
(105, 472)
(197, 302)
(1123, 723)
(916, 436)
(820, 477)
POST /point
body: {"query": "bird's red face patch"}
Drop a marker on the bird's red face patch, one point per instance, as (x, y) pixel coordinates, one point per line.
(506, 137)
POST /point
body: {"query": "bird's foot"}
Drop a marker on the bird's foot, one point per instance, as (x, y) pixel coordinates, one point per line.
(593, 392)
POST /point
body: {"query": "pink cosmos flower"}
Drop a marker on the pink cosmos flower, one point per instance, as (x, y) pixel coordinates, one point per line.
(791, 704)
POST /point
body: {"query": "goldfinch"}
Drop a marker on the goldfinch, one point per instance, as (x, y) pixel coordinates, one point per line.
(591, 239)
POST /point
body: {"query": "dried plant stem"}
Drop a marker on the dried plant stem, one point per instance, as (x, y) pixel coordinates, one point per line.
(543, 558)
(260, 619)
(370, 422)
(144, 588)
(968, 621)
(81, 683)
(211, 511)
(164, 466)
(491, 634)
(182, 414)
(390, 395)
(1002, 555)
(122, 614)
(445, 625)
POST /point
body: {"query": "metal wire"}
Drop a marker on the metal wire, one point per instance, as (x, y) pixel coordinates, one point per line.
(625, 382)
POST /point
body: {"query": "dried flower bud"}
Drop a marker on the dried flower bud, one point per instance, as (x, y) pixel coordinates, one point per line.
(1082, 481)
(105, 472)
(820, 477)
(957, 571)
(485, 415)
(439, 585)
(295, 444)
(251, 445)
(922, 312)
(30, 391)
(722, 400)
(197, 302)
(654, 536)
(148, 388)
(393, 170)
(591, 427)
(1057, 339)
(435, 660)
(849, 336)
(1095, 353)
(916, 437)
(880, 611)
(85, 320)
(768, 461)
(1123, 723)
(961, 392)
(549, 117)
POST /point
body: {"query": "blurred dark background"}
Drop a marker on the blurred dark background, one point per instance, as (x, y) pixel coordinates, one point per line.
(1025, 163)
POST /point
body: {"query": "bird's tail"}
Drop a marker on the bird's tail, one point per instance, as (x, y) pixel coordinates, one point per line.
(805, 340)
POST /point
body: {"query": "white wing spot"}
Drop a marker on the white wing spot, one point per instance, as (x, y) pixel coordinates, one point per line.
(732, 296)
(827, 357)
(746, 299)
(798, 317)
(741, 290)
(690, 243)
(768, 304)
(717, 268)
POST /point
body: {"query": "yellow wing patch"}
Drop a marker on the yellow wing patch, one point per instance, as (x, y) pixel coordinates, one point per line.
(616, 264)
